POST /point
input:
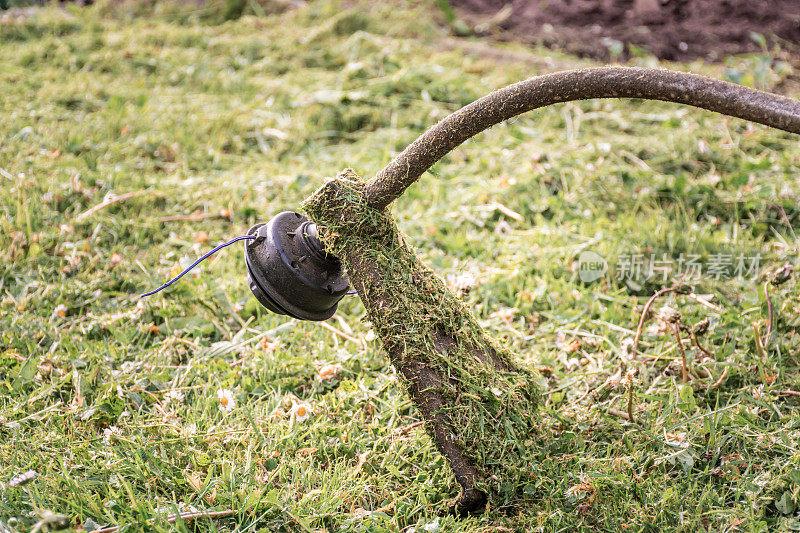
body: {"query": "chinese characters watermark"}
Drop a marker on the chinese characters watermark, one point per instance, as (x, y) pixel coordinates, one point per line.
(638, 268)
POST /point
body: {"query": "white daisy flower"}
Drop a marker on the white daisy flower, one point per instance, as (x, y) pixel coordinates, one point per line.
(226, 400)
(189, 431)
(60, 311)
(301, 411)
(109, 434)
(173, 396)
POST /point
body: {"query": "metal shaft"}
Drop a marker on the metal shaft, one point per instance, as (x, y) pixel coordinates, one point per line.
(602, 82)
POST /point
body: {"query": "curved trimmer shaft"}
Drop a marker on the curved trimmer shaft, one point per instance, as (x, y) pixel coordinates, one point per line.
(478, 404)
(462, 382)
(601, 82)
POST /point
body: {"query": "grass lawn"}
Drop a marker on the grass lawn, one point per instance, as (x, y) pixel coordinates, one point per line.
(207, 127)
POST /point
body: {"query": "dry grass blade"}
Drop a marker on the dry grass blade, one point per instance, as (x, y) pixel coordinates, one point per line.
(196, 216)
(224, 347)
(111, 199)
(645, 310)
(770, 315)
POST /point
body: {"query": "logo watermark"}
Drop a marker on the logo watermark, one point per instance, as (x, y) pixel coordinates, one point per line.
(591, 266)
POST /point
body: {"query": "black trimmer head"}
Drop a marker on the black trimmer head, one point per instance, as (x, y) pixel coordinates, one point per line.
(288, 270)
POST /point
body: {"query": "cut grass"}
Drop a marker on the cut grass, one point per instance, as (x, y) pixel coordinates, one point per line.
(248, 116)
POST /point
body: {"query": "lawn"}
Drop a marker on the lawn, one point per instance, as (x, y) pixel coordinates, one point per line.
(134, 139)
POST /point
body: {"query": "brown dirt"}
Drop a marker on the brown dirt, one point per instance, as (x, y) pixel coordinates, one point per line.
(668, 29)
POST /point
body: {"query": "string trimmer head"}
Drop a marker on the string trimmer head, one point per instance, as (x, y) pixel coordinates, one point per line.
(288, 270)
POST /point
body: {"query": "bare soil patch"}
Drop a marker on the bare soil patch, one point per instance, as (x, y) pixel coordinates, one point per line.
(668, 29)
